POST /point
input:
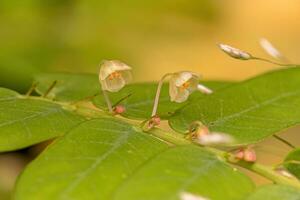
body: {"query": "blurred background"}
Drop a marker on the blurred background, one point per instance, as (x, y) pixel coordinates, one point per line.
(154, 37)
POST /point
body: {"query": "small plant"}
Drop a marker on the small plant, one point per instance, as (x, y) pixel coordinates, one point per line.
(109, 143)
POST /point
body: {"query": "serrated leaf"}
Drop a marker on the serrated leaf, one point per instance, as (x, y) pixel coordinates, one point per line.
(139, 105)
(275, 192)
(292, 162)
(109, 159)
(249, 111)
(69, 87)
(24, 121)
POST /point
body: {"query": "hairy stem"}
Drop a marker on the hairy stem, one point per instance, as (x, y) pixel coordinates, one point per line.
(156, 100)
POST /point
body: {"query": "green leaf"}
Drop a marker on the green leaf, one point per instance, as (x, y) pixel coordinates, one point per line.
(292, 162)
(275, 192)
(185, 169)
(25, 121)
(69, 87)
(108, 159)
(139, 105)
(249, 111)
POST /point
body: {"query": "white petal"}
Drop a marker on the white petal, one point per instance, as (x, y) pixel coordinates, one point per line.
(204, 89)
(110, 66)
(190, 196)
(181, 96)
(113, 85)
(183, 77)
(270, 49)
(215, 139)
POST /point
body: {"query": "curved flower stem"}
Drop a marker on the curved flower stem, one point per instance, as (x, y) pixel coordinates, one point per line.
(108, 102)
(156, 100)
(272, 62)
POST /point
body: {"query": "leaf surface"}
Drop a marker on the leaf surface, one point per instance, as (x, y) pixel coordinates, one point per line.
(25, 121)
(249, 111)
(292, 162)
(275, 192)
(69, 87)
(110, 159)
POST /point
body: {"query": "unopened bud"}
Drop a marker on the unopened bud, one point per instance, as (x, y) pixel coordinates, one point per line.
(249, 155)
(234, 52)
(151, 123)
(119, 109)
(239, 154)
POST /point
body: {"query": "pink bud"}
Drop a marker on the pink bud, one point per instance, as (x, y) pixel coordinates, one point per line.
(119, 109)
(249, 155)
(239, 154)
(156, 120)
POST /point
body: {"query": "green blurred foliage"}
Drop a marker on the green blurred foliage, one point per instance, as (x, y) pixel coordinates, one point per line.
(74, 35)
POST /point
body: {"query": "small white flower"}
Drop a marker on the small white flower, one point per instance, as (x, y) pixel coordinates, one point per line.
(190, 196)
(234, 52)
(181, 85)
(114, 75)
(214, 138)
(270, 49)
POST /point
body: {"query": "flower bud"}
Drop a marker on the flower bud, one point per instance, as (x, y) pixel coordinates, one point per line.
(119, 109)
(234, 52)
(249, 155)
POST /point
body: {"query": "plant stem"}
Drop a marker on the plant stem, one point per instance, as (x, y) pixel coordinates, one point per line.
(108, 102)
(49, 89)
(156, 100)
(268, 173)
(272, 62)
(31, 89)
(284, 141)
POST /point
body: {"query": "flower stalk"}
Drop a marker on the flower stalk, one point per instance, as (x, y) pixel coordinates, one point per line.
(157, 95)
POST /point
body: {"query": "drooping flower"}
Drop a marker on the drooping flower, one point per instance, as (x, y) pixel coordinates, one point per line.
(234, 52)
(182, 84)
(114, 75)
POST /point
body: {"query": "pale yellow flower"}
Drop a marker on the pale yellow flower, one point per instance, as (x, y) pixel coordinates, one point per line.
(181, 85)
(114, 75)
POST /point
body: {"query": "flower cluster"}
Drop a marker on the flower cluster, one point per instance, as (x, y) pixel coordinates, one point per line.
(114, 75)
